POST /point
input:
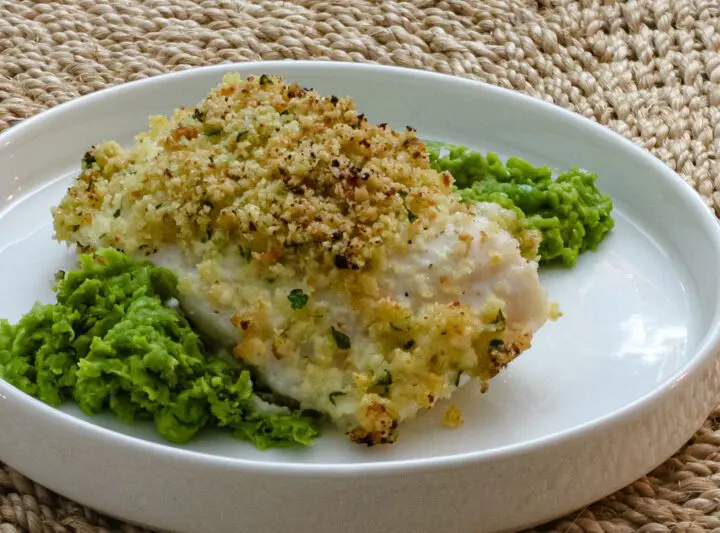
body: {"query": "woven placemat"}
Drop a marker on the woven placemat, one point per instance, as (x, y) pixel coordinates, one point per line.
(649, 70)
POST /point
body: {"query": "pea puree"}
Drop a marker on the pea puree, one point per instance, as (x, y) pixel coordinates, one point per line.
(112, 341)
(572, 215)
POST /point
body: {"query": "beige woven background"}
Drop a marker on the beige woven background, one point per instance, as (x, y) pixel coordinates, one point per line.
(649, 69)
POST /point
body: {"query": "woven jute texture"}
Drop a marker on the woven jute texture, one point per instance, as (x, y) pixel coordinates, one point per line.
(649, 70)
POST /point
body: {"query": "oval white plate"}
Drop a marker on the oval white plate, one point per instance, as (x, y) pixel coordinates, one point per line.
(606, 394)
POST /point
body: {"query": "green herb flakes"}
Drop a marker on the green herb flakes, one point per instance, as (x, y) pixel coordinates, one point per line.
(341, 340)
(334, 395)
(408, 345)
(298, 299)
(245, 253)
(212, 132)
(88, 160)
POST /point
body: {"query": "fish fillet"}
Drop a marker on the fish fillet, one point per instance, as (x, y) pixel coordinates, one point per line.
(322, 248)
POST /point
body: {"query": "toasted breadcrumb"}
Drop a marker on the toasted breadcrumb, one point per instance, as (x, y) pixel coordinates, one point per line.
(554, 312)
(453, 417)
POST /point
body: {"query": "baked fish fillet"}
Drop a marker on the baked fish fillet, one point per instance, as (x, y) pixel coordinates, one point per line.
(322, 248)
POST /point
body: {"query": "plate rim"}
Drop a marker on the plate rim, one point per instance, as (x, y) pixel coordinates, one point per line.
(696, 365)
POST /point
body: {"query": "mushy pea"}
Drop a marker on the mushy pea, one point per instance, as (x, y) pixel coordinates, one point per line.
(113, 341)
(572, 215)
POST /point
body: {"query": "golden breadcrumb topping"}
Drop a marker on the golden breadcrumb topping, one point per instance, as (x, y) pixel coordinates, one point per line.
(554, 312)
(289, 175)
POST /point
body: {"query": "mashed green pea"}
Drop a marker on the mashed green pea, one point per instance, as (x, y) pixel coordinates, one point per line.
(572, 215)
(113, 341)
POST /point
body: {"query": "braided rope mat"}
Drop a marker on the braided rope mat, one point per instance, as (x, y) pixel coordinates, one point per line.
(648, 69)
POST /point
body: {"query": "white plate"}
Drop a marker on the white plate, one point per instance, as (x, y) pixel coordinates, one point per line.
(606, 393)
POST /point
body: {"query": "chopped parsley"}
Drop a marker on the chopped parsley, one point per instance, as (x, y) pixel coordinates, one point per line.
(457, 378)
(496, 344)
(412, 217)
(384, 381)
(245, 253)
(211, 132)
(334, 395)
(88, 160)
(298, 299)
(198, 115)
(341, 340)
